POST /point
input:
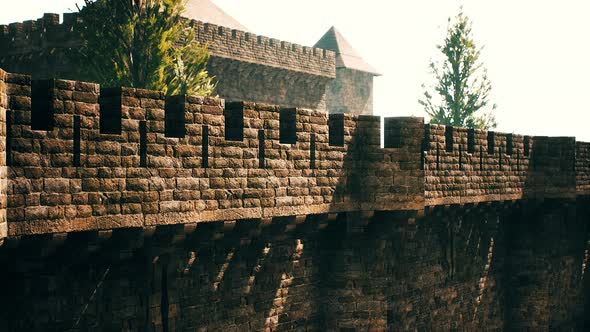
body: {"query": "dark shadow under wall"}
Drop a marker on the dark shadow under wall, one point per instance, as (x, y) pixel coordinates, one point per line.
(544, 275)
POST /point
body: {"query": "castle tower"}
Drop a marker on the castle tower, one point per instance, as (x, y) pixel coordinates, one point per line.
(352, 90)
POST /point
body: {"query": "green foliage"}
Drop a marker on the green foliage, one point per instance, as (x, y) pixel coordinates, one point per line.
(185, 70)
(141, 44)
(460, 96)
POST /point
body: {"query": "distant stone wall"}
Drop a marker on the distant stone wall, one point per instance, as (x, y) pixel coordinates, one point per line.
(123, 209)
(250, 48)
(249, 81)
(37, 47)
(351, 92)
(128, 210)
(247, 66)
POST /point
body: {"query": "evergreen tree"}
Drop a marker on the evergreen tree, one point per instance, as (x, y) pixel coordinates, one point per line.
(141, 44)
(460, 96)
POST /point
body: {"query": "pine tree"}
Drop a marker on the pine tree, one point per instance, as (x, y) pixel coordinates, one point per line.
(141, 44)
(460, 96)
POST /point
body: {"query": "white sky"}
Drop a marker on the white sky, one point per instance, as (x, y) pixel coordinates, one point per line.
(537, 51)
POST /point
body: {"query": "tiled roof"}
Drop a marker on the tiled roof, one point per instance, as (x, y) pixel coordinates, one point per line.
(346, 56)
(207, 11)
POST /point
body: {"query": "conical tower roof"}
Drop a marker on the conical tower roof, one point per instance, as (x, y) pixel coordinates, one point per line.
(346, 56)
(207, 11)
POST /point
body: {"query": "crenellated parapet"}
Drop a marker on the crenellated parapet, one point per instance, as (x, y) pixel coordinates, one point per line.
(84, 158)
(42, 34)
(39, 46)
(248, 47)
(582, 159)
(469, 165)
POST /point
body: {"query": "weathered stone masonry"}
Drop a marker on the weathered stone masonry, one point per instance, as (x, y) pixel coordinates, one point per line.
(127, 210)
(280, 163)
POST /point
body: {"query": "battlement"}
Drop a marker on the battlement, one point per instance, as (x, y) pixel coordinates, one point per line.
(44, 32)
(470, 165)
(47, 33)
(81, 157)
(582, 164)
(248, 47)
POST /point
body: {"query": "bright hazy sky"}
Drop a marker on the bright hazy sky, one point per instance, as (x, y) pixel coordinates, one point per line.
(537, 52)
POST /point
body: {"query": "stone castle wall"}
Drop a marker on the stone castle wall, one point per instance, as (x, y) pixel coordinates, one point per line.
(250, 81)
(469, 165)
(38, 46)
(82, 158)
(122, 209)
(127, 210)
